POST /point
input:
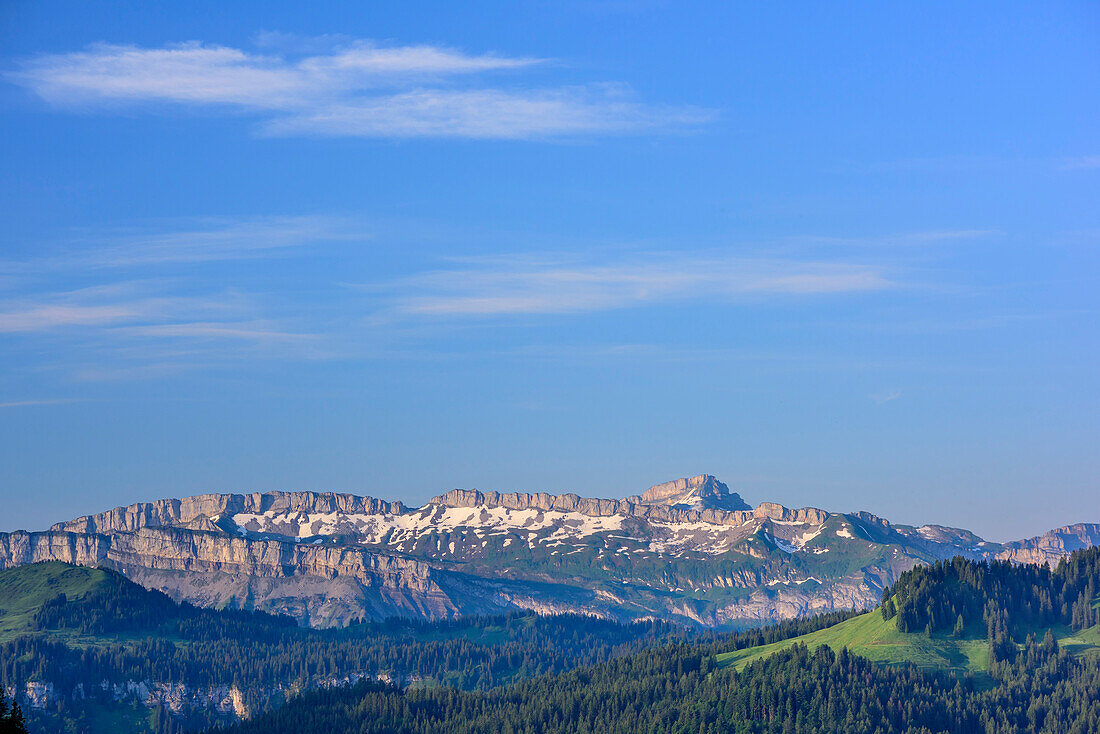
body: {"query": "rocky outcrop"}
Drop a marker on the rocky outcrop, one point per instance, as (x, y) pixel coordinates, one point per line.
(228, 703)
(329, 584)
(805, 515)
(699, 492)
(178, 512)
(873, 520)
(20, 548)
(1052, 546)
(538, 501)
(177, 549)
(631, 507)
(179, 698)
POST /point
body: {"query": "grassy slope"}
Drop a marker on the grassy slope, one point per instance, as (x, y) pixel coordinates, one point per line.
(1083, 642)
(26, 588)
(870, 636)
(878, 640)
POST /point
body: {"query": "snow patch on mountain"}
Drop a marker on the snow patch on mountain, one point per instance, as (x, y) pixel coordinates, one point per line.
(392, 529)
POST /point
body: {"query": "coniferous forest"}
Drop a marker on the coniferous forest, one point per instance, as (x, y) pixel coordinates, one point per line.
(545, 674)
(1032, 685)
(676, 690)
(120, 631)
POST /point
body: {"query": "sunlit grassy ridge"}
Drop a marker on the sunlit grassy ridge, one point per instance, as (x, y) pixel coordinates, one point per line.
(879, 640)
(23, 591)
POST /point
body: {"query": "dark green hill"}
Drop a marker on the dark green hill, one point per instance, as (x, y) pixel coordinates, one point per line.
(97, 649)
(90, 606)
(25, 590)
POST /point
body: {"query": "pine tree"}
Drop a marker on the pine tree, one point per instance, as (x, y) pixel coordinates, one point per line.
(1050, 645)
(16, 725)
(960, 627)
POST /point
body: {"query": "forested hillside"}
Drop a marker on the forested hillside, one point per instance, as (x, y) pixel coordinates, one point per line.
(1032, 684)
(94, 652)
(676, 690)
(984, 647)
(956, 593)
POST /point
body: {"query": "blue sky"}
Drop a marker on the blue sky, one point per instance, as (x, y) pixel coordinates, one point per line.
(840, 257)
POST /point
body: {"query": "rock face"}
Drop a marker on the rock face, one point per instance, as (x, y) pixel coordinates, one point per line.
(697, 499)
(319, 584)
(20, 548)
(183, 512)
(689, 550)
(701, 492)
(1053, 545)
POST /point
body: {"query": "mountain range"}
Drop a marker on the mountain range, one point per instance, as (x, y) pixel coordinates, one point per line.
(689, 551)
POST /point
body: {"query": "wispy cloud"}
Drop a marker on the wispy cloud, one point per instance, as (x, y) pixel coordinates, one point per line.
(360, 89)
(485, 113)
(547, 286)
(245, 331)
(885, 397)
(226, 239)
(135, 302)
(126, 304)
(210, 74)
(30, 403)
(150, 327)
(195, 241)
(38, 316)
(139, 304)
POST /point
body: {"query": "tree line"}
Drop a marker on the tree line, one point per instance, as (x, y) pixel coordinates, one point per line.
(958, 594)
(130, 633)
(1032, 685)
(678, 691)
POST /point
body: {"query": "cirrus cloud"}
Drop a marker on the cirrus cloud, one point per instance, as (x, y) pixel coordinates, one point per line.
(362, 89)
(548, 285)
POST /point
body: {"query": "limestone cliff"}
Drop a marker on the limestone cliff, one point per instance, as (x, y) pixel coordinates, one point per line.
(322, 584)
(688, 550)
(1052, 546)
(177, 512)
(632, 507)
(20, 548)
(699, 492)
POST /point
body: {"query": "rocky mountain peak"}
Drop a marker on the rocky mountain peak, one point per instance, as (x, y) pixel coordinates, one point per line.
(688, 549)
(702, 492)
(1052, 545)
